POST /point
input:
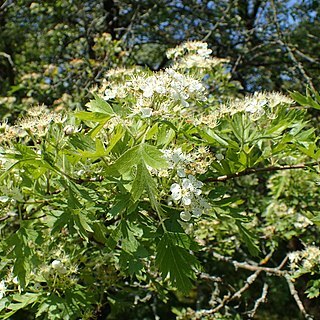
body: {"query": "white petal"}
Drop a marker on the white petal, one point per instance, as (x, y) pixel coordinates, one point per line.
(185, 216)
(186, 200)
(186, 184)
(181, 173)
(176, 192)
(147, 92)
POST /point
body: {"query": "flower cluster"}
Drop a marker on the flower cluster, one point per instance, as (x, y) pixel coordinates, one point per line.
(168, 85)
(36, 122)
(193, 54)
(58, 266)
(186, 190)
(305, 261)
(256, 105)
(201, 48)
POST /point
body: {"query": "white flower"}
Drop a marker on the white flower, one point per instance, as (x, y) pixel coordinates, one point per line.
(195, 86)
(147, 91)
(70, 129)
(294, 256)
(182, 194)
(3, 289)
(109, 94)
(58, 266)
(204, 52)
(190, 187)
(181, 173)
(151, 85)
(219, 156)
(196, 184)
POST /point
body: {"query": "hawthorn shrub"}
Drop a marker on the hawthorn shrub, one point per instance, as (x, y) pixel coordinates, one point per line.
(163, 185)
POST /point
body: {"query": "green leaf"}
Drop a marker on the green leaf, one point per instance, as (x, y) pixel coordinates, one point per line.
(92, 116)
(152, 156)
(248, 238)
(177, 262)
(313, 290)
(82, 142)
(134, 265)
(99, 151)
(305, 101)
(120, 205)
(143, 153)
(165, 135)
(22, 254)
(129, 159)
(152, 190)
(139, 182)
(129, 243)
(210, 136)
(114, 237)
(99, 105)
(298, 97)
(23, 300)
(119, 133)
(99, 232)
(82, 224)
(4, 302)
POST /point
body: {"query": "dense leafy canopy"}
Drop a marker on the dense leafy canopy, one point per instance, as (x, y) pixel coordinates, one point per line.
(147, 180)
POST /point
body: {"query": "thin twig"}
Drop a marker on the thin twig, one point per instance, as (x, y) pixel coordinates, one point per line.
(216, 25)
(6, 5)
(8, 57)
(283, 43)
(262, 299)
(227, 298)
(249, 171)
(206, 276)
(5, 217)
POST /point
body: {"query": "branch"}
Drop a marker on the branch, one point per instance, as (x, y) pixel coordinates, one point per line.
(282, 42)
(262, 299)
(6, 5)
(227, 298)
(216, 25)
(295, 295)
(249, 171)
(250, 280)
(258, 269)
(207, 277)
(243, 265)
(5, 217)
(8, 57)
